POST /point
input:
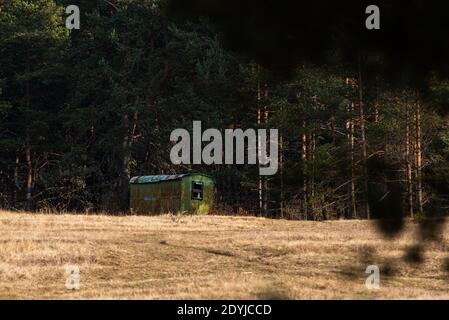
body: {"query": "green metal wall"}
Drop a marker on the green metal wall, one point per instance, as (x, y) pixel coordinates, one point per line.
(197, 206)
(172, 196)
(156, 198)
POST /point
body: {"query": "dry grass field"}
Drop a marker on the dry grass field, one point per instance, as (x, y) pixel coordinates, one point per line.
(209, 257)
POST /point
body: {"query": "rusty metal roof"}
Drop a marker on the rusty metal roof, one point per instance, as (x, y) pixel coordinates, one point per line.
(156, 178)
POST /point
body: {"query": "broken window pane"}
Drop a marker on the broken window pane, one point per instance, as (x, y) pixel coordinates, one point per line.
(197, 190)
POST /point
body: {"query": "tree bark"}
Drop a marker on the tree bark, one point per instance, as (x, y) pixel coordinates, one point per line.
(363, 140)
(351, 141)
(281, 169)
(408, 163)
(304, 161)
(16, 178)
(29, 183)
(418, 154)
(259, 120)
(312, 149)
(125, 163)
(376, 112)
(265, 179)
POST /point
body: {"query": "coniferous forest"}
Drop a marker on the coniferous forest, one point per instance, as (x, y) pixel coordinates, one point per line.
(362, 114)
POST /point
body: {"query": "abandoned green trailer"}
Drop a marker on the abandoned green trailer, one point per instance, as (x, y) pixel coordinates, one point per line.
(186, 193)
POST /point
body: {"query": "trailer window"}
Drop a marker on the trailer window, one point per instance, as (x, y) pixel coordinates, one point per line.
(197, 190)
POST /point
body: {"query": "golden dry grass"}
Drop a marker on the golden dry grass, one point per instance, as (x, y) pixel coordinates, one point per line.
(209, 257)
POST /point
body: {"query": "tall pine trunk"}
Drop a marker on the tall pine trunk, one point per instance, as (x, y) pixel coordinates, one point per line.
(281, 168)
(29, 181)
(265, 179)
(351, 141)
(408, 162)
(304, 161)
(418, 153)
(16, 178)
(312, 148)
(125, 174)
(363, 140)
(259, 122)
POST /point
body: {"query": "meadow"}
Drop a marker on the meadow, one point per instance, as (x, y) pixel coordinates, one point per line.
(210, 257)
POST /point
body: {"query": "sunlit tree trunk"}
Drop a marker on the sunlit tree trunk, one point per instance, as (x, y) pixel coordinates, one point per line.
(363, 140)
(312, 148)
(16, 177)
(418, 154)
(29, 181)
(265, 179)
(125, 175)
(304, 160)
(351, 143)
(259, 122)
(281, 169)
(408, 162)
(376, 112)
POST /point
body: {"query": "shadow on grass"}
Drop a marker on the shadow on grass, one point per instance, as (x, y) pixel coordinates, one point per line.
(270, 294)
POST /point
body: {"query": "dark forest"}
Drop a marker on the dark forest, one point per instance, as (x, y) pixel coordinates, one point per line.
(361, 114)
